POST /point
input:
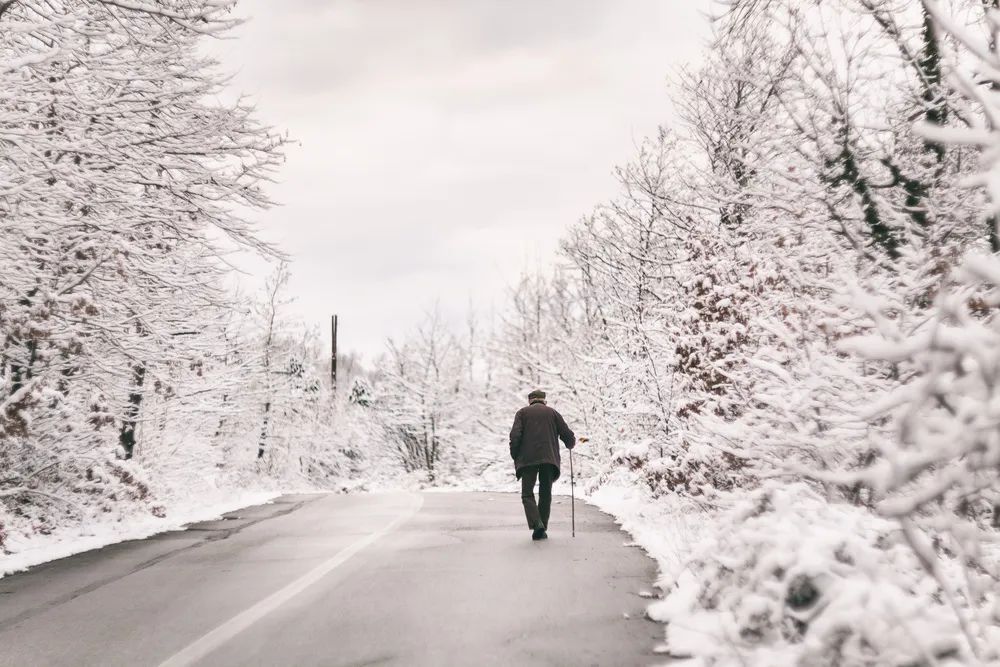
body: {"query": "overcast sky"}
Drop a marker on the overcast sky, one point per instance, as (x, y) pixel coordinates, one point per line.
(445, 146)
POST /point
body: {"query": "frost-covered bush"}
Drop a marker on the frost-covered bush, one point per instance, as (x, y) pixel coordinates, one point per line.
(938, 476)
(692, 470)
(76, 491)
(791, 579)
(945, 407)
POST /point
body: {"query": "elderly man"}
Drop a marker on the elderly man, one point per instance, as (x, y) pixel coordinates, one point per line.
(534, 446)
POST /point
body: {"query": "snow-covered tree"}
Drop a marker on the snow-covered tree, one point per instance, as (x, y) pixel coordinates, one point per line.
(123, 177)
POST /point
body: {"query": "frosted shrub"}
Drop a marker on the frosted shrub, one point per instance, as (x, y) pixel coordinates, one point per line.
(939, 476)
(791, 579)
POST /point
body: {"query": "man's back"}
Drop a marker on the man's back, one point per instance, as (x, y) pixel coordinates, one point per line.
(535, 435)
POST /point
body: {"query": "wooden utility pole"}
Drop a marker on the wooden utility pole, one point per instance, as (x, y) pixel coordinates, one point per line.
(333, 352)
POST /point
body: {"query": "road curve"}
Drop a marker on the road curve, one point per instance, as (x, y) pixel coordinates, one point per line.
(335, 580)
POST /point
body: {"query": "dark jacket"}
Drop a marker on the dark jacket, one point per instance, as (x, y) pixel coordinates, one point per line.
(534, 438)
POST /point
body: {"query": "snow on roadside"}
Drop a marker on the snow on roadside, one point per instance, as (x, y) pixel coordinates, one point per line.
(667, 528)
(783, 577)
(498, 478)
(73, 539)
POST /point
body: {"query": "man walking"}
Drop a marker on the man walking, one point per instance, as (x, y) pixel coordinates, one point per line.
(534, 446)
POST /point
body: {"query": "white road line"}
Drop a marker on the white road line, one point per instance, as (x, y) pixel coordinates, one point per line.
(237, 624)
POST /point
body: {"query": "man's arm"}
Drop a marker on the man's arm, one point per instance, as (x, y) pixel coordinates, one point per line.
(515, 435)
(565, 434)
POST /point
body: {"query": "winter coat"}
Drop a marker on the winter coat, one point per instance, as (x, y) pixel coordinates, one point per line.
(535, 435)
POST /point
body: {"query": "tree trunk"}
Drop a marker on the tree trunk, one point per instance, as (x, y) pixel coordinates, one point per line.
(262, 441)
(126, 438)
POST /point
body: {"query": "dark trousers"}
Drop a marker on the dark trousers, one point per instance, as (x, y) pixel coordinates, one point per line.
(538, 512)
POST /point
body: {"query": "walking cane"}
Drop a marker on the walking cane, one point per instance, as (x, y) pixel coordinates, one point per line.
(572, 486)
(572, 491)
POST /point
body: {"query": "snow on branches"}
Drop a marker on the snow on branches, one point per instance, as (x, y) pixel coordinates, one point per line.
(122, 178)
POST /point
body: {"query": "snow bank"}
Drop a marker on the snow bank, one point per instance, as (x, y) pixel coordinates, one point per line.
(790, 579)
(113, 501)
(667, 528)
(28, 551)
(785, 577)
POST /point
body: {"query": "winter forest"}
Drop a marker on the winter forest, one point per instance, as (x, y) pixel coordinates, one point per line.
(784, 327)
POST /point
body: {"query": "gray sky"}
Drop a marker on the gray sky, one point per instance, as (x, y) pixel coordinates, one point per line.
(446, 146)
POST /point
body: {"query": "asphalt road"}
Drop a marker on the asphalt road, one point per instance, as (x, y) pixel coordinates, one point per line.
(380, 579)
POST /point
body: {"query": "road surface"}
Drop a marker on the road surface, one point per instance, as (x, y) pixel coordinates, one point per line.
(373, 579)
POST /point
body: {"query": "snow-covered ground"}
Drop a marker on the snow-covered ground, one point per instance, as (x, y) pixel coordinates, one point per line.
(77, 538)
(786, 577)
(668, 529)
